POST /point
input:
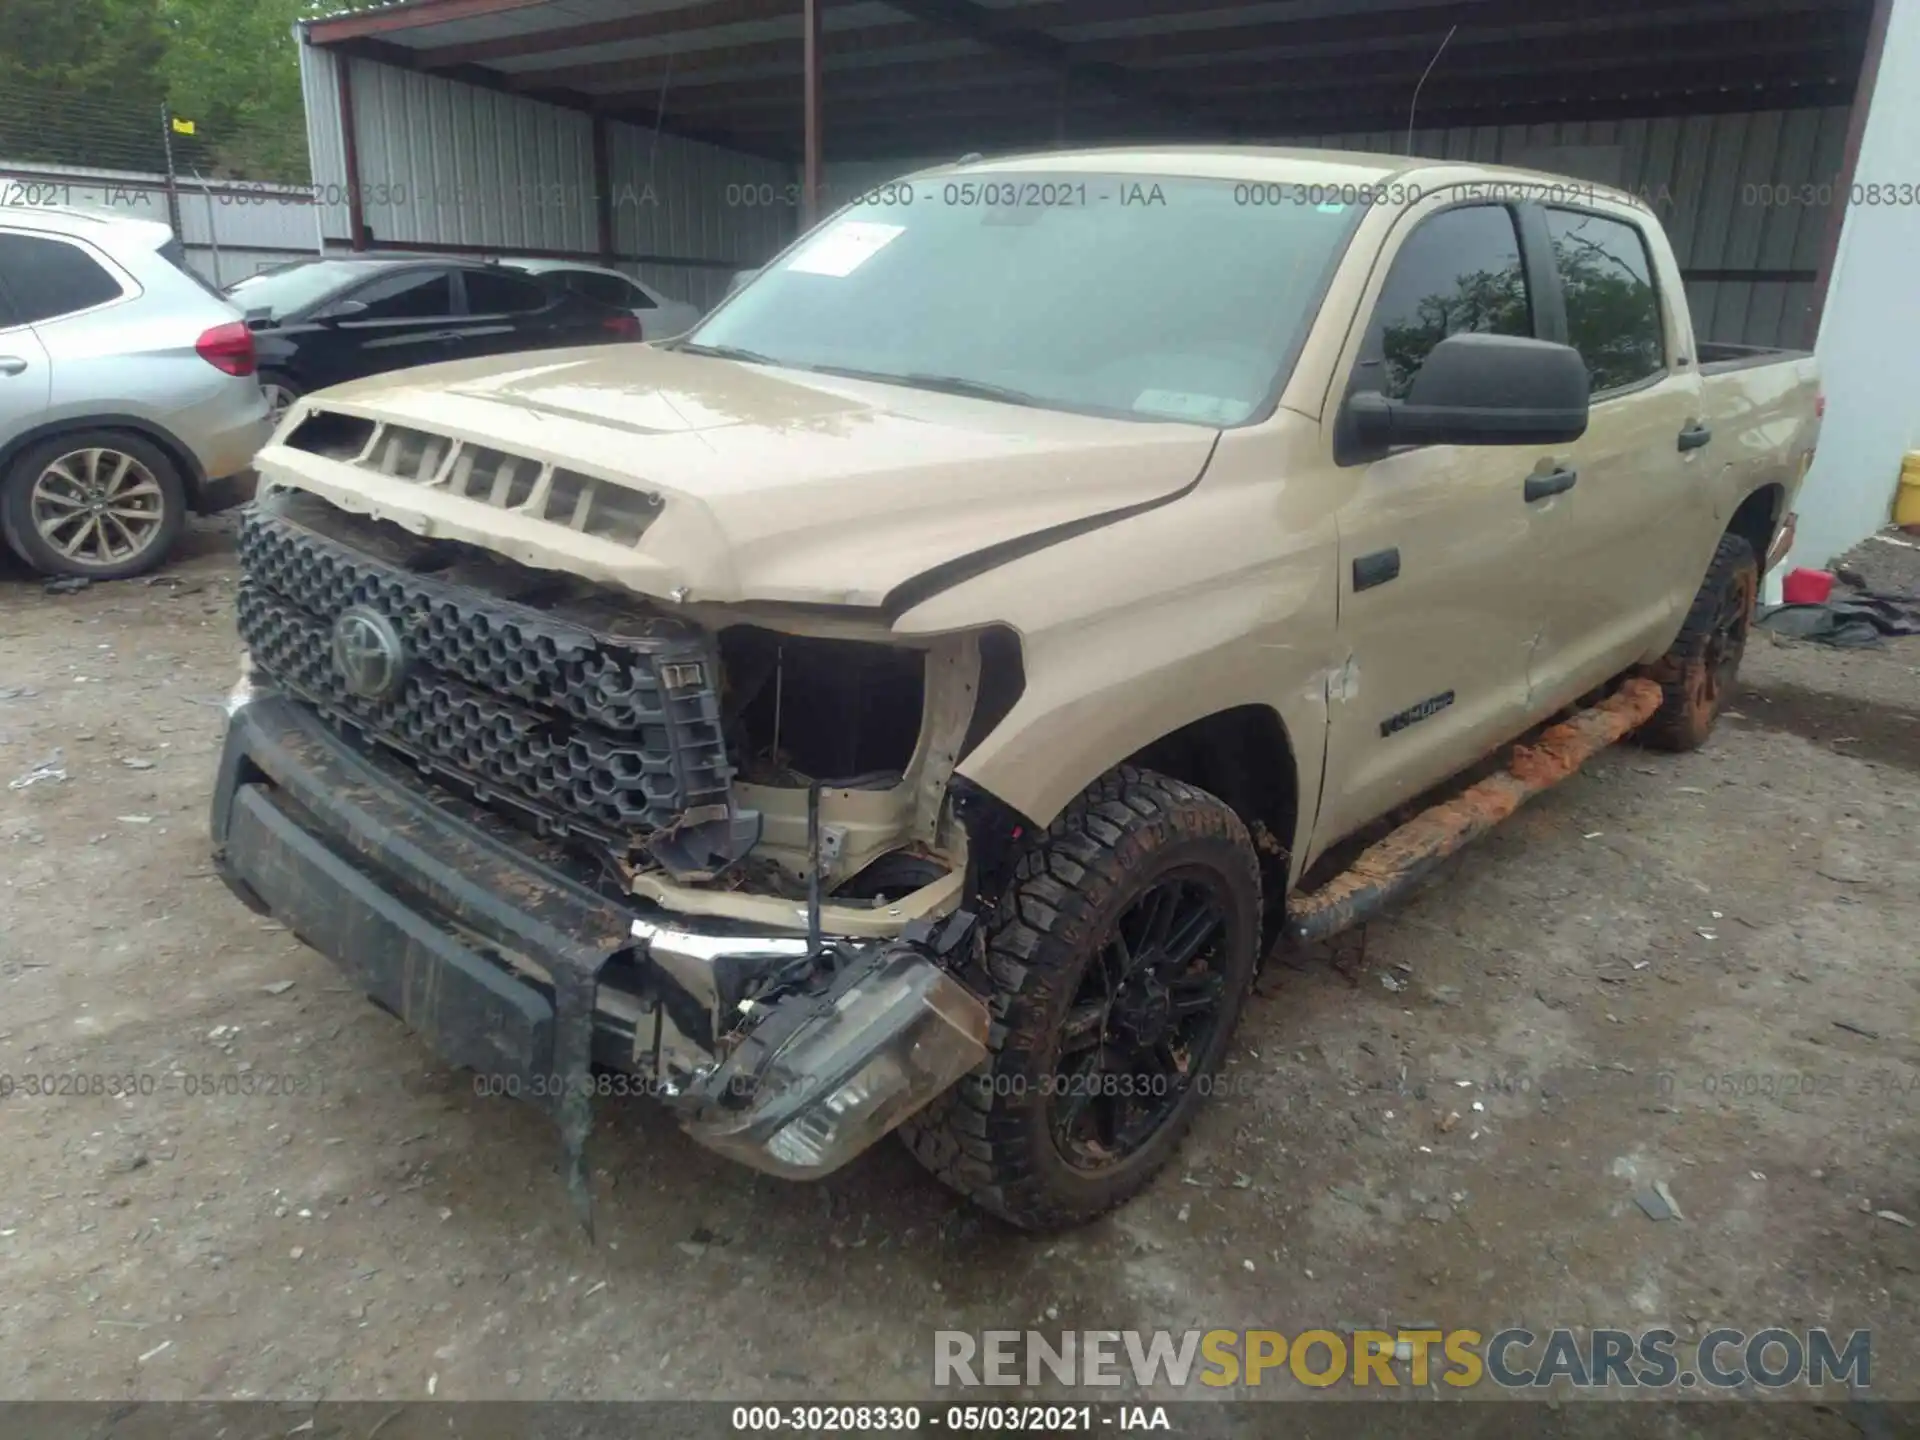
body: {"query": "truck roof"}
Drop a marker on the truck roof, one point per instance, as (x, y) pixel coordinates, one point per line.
(1255, 163)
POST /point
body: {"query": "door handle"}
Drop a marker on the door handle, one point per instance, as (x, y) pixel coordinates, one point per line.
(1695, 437)
(1376, 569)
(1541, 487)
(12, 365)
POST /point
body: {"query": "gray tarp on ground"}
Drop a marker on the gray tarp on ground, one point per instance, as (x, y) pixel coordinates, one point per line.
(1856, 621)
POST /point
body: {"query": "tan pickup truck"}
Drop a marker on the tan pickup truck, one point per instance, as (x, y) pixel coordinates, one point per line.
(920, 696)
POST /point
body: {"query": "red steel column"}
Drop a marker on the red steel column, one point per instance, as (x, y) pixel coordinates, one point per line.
(350, 150)
(810, 176)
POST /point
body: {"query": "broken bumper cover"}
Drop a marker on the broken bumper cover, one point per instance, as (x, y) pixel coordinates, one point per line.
(510, 968)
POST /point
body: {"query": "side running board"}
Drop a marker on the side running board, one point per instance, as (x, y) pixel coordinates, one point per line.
(1389, 869)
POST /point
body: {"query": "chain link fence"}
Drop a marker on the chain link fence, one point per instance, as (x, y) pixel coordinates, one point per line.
(94, 152)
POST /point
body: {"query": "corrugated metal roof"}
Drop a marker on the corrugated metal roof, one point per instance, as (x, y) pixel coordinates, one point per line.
(902, 74)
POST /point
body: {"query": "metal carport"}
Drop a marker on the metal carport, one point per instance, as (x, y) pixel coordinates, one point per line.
(689, 138)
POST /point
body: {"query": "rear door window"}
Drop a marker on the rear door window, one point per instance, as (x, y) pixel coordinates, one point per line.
(1613, 310)
(489, 292)
(612, 290)
(48, 278)
(406, 295)
(1458, 273)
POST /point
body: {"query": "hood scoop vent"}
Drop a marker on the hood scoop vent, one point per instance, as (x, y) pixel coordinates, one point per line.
(490, 477)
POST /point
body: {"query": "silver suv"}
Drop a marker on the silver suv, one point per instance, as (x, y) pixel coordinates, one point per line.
(127, 392)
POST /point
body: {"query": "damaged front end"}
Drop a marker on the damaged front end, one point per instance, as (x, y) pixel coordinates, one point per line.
(561, 830)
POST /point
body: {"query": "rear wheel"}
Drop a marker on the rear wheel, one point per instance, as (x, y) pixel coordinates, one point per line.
(1698, 674)
(100, 503)
(1116, 964)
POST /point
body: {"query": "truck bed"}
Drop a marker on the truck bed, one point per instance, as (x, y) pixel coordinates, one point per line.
(1717, 357)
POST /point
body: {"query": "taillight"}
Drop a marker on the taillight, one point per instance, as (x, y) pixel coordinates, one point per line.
(626, 326)
(228, 347)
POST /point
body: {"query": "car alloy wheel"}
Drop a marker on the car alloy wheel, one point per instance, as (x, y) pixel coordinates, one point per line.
(279, 400)
(97, 507)
(1145, 1007)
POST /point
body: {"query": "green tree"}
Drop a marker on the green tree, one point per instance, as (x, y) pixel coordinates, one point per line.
(232, 67)
(80, 82)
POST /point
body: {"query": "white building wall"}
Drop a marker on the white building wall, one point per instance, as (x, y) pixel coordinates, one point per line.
(1867, 347)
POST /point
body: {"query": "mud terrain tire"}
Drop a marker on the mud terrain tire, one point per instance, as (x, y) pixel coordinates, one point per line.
(1697, 675)
(1127, 840)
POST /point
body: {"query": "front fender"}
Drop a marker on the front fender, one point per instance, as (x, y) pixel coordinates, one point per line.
(1137, 630)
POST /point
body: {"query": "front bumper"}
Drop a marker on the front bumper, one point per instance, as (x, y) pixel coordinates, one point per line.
(509, 966)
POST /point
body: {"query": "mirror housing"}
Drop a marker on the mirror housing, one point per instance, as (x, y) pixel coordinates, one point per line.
(342, 310)
(1481, 390)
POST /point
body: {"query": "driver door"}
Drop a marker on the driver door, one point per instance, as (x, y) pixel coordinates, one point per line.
(1440, 595)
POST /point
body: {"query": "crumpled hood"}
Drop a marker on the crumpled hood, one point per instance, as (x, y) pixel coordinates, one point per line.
(776, 485)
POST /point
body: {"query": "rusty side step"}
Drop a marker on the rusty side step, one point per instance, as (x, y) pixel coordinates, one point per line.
(1390, 868)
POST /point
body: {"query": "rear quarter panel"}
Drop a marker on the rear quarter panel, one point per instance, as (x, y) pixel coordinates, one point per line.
(1765, 426)
(136, 357)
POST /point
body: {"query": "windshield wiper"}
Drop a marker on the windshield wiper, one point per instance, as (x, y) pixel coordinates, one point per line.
(947, 385)
(733, 352)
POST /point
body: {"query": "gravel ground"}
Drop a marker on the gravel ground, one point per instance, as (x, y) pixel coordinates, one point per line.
(1698, 969)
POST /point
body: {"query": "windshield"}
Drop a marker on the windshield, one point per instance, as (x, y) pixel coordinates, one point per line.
(294, 287)
(1142, 296)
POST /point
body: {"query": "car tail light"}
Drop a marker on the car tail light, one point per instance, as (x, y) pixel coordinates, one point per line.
(228, 347)
(626, 326)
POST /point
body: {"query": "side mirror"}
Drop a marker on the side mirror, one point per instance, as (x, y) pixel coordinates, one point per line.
(739, 280)
(1482, 390)
(343, 310)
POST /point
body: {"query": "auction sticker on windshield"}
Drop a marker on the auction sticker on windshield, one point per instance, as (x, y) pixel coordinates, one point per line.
(845, 248)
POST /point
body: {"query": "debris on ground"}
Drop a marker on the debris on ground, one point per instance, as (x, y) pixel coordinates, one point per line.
(66, 584)
(1895, 1216)
(1660, 1189)
(1658, 1202)
(50, 769)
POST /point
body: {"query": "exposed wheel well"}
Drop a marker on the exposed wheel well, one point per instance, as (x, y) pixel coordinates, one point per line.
(1757, 520)
(1243, 756)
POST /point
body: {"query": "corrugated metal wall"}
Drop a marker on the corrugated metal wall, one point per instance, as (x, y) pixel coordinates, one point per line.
(447, 163)
(443, 163)
(678, 197)
(326, 155)
(1727, 188)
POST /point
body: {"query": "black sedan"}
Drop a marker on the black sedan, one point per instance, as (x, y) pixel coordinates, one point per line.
(318, 322)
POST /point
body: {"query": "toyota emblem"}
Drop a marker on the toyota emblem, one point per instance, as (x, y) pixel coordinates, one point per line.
(369, 652)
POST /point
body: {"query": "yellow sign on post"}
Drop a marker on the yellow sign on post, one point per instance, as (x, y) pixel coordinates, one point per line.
(182, 127)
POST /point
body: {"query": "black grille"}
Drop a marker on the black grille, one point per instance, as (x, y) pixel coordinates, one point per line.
(575, 730)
